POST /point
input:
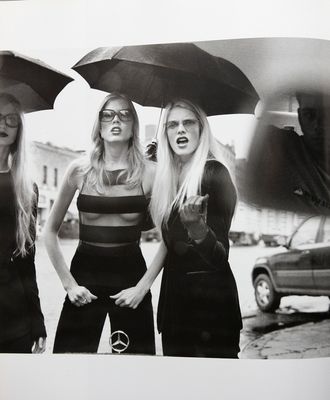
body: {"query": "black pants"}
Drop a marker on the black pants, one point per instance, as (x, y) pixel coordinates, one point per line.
(80, 328)
(187, 343)
(22, 344)
(198, 313)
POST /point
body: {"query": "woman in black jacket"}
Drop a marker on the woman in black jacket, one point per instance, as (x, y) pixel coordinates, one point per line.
(193, 202)
(22, 328)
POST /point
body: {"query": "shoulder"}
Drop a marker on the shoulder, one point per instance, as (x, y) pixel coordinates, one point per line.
(214, 171)
(148, 175)
(217, 181)
(75, 172)
(150, 168)
(77, 165)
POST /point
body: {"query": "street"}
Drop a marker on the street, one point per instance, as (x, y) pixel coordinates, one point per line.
(293, 309)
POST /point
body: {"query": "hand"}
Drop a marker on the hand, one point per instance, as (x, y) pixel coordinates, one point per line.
(39, 345)
(130, 297)
(151, 151)
(194, 209)
(193, 214)
(80, 296)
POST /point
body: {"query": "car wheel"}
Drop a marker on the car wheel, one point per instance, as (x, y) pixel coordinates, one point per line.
(266, 297)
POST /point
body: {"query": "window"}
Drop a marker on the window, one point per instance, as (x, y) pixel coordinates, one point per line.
(306, 233)
(44, 178)
(326, 231)
(55, 177)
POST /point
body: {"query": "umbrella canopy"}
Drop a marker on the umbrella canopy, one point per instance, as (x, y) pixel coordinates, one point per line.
(152, 75)
(34, 83)
(275, 65)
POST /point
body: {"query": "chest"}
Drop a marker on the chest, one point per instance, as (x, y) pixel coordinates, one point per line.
(7, 201)
(119, 205)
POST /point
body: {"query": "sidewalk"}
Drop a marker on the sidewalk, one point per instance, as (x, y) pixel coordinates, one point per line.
(310, 340)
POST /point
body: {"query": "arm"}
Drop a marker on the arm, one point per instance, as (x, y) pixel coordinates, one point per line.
(78, 295)
(27, 271)
(207, 219)
(26, 268)
(133, 296)
(147, 182)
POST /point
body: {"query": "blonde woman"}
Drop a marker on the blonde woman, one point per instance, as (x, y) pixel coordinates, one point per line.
(22, 328)
(114, 187)
(193, 201)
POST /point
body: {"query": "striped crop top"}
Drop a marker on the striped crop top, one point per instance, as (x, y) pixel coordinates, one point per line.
(117, 217)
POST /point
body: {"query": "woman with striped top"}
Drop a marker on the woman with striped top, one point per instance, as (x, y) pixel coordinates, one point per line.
(114, 186)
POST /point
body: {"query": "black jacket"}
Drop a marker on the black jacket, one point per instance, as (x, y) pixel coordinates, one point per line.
(198, 288)
(20, 311)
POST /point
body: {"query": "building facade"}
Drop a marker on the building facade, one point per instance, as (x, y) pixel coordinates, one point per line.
(48, 166)
(49, 163)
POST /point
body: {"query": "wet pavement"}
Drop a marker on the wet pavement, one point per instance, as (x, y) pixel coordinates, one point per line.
(286, 334)
(309, 340)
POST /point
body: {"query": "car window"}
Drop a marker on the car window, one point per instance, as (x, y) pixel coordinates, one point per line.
(307, 232)
(326, 231)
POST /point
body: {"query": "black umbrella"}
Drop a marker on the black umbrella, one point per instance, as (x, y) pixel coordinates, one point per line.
(34, 83)
(151, 75)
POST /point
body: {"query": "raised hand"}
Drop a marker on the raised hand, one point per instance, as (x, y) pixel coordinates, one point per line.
(193, 215)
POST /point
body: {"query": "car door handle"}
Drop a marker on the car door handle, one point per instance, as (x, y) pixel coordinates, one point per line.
(305, 252)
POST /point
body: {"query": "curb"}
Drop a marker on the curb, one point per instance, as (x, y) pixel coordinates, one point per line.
(310, 340)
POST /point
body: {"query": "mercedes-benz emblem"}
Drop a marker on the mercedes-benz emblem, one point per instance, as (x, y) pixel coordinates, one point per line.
(119, 341)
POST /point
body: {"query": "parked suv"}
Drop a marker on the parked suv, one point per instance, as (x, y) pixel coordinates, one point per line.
(302, 269)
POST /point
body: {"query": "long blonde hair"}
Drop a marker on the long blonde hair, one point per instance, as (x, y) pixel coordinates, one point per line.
(94, 169)
(166, 193)
(23, 185)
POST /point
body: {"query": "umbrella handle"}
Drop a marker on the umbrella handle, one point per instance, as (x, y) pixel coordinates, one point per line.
(151, 151)
(158, 124)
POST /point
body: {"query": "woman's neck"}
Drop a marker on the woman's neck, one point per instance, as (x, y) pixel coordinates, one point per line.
(4, 157)
(115, 156)
(183, 168)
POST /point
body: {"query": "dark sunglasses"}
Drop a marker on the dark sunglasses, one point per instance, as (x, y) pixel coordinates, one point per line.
(11, 120)
(108, 115)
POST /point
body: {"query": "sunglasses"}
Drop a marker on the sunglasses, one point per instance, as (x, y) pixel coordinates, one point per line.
(108, 115)
(11, 120)
(187, 124)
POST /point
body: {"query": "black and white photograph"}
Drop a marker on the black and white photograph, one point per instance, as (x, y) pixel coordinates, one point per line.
(164, 199)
